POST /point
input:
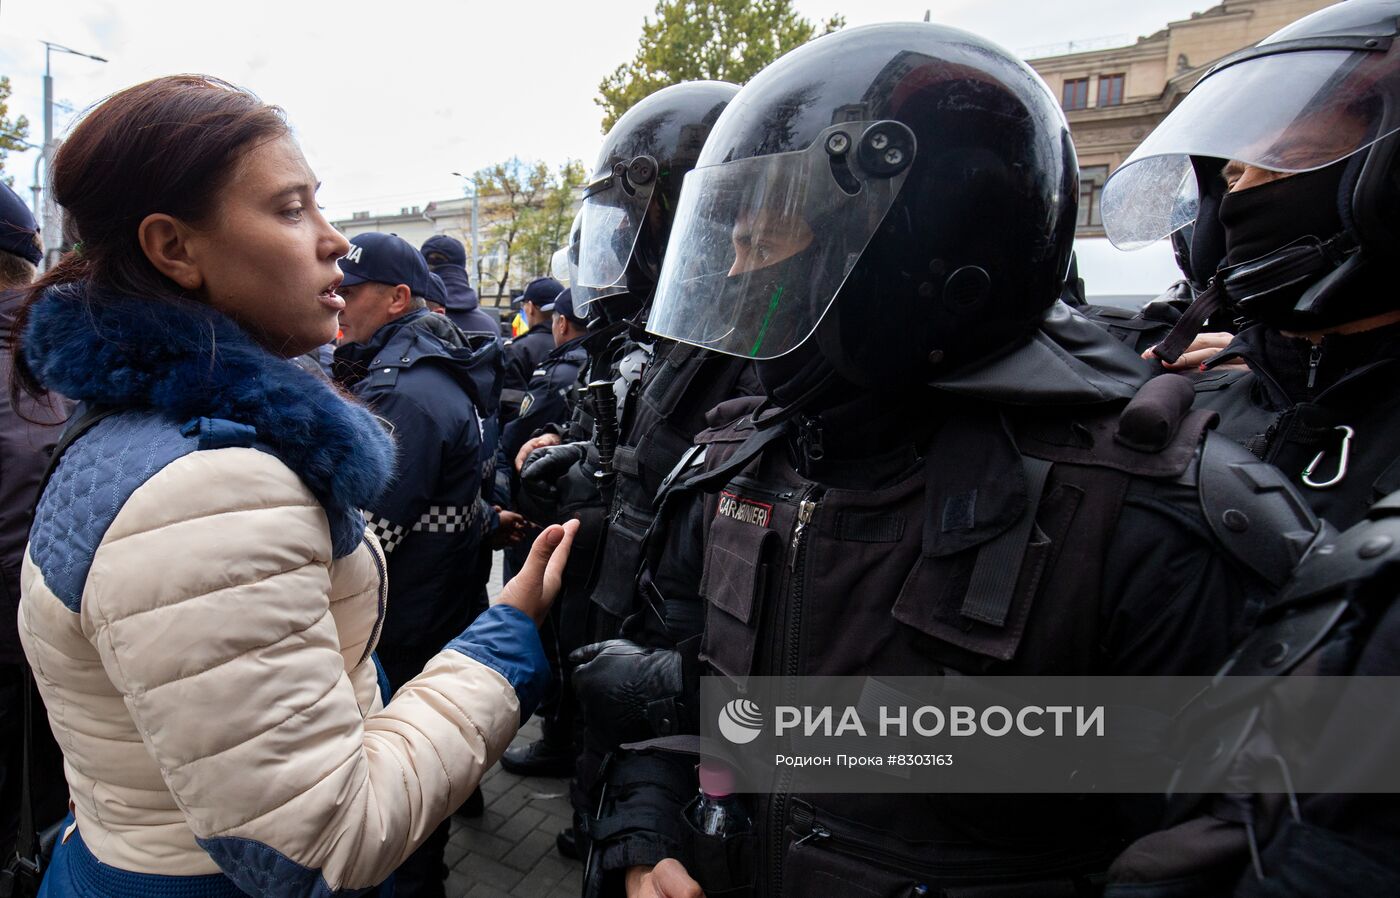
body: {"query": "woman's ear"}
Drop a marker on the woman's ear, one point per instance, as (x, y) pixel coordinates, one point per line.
(165, 241)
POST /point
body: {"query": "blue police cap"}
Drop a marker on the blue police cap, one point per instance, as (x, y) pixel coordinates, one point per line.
(541, 291)
(385, 259)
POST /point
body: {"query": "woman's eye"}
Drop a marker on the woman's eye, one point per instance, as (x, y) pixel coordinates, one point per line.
(293, 214)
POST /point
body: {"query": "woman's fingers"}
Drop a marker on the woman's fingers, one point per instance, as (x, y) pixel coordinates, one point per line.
(533, 589)
(559, 557)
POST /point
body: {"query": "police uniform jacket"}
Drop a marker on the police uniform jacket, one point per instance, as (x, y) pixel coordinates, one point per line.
(427, 520)
(546, 399)
(523, 356)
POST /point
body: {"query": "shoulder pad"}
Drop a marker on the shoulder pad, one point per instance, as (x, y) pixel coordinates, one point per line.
(1359, 554)
(631, 365)
(1254, 512)
(730, 422)
(1155, 435)
(382, 377)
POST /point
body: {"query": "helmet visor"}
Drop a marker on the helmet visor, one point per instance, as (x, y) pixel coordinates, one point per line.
(614, 209)
(1287, 112)
(761, 246)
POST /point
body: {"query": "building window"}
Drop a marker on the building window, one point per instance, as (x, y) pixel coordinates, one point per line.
(1075, 94)
(1090, 192)
(1111, 90)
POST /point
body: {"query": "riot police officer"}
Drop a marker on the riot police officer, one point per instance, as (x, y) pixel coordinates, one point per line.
(1282, 163)
(1288, 152)
(965, 493)
(647, 397)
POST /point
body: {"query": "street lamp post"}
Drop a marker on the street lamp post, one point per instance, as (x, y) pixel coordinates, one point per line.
(49, 212)
(476, 264)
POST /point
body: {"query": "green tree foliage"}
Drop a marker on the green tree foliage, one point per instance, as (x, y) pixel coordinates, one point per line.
(13, 133)
(545, 228)
(528, 208)
(719, 40)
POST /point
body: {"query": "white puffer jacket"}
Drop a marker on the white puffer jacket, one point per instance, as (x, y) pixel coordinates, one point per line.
(201, 621)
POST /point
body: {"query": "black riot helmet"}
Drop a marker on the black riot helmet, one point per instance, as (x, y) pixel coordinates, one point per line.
(631, 198)
(1318, 101)
(895, 199)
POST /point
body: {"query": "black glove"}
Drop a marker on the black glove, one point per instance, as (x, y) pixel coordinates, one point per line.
(629, 692)
(539, 479)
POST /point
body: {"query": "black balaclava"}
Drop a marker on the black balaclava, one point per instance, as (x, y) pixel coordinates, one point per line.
(802, 373)
(1260, 220)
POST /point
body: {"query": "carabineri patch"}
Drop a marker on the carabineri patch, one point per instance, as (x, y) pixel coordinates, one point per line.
(750, 511)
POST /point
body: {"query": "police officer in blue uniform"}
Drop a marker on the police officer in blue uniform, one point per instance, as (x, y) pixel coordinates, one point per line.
(447, 258)
(525, 352)
(548, 395)
(549, 399)
(415, 370)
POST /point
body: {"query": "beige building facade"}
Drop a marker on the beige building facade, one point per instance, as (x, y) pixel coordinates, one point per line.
(452, 217)
(1114, 97)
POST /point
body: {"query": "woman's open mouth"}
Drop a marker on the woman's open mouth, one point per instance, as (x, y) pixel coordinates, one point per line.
(329, 298)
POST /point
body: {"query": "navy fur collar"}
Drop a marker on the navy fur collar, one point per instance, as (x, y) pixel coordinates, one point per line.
(184, 359)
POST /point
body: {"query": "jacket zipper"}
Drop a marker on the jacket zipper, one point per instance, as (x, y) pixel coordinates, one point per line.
(745, 485)
(1314, 359)
(788, 665)
(379, 565)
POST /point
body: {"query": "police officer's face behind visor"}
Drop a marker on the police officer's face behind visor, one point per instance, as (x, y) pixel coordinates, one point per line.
(767, 237)
(1341, 129)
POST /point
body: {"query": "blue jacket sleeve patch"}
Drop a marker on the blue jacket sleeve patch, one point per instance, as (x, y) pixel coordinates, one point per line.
(261, 870)
(507, 641)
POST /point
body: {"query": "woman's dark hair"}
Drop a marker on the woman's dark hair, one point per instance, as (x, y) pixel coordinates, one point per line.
(169, 145)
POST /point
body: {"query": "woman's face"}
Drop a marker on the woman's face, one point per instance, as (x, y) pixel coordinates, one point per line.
(267, 256)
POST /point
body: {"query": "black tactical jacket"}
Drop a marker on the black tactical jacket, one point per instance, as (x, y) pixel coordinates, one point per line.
(864, 560)
(1337, 617)
(523, 355)
(1289, 409)
(549, 397)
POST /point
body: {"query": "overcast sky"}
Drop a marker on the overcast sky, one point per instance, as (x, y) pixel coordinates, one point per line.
(389, 98)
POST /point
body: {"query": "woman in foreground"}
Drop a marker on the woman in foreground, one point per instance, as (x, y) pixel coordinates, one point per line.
(200, 601)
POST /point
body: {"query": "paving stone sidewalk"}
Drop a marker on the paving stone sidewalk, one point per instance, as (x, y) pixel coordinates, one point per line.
(509, 851)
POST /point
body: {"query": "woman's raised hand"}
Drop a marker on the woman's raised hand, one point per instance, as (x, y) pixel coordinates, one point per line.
(534, 588)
